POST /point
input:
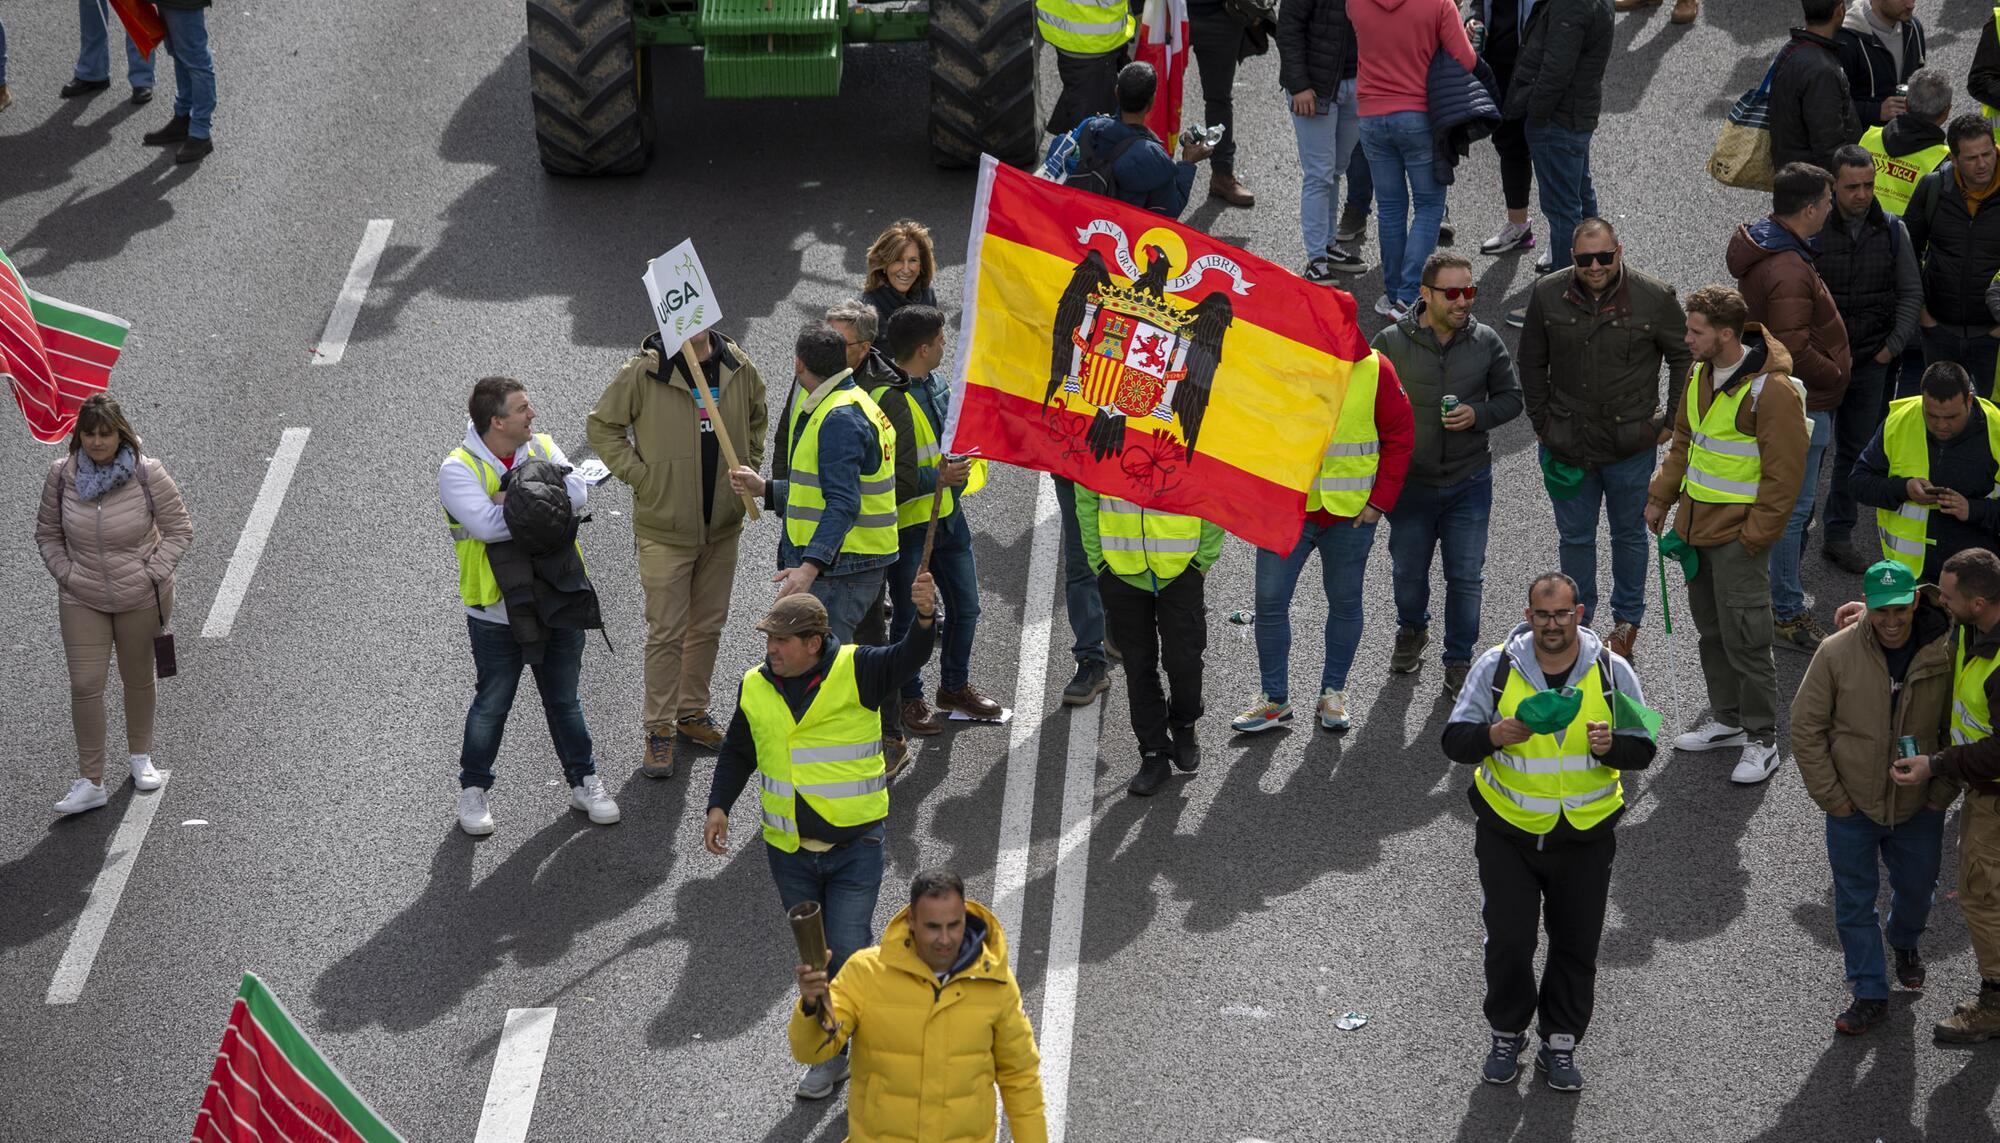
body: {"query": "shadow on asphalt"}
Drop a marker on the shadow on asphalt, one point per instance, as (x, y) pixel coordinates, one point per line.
(565, 878)
(96, 227)
(46, 888)
(1525, 1111)
(46, 155)
(1694, 825)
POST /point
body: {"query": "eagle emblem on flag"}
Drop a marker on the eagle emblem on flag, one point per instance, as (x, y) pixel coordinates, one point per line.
(1137, 356)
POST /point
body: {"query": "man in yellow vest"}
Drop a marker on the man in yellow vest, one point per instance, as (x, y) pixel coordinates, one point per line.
(1970, 590)
(1151, 567)
(1360, 479)
(1910, 145)
(499, 435)
(1932, 473)
(1090, 38)
(1550, 718)
(1734, 469)
(808, 725)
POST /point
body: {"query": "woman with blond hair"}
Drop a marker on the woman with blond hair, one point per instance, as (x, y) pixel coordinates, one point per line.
(901, 267)
(112, 529)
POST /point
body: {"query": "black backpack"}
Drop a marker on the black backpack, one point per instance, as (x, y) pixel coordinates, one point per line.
(1094, 163)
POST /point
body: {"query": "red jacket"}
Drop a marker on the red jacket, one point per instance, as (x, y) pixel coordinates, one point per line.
(1396, 40)
(1396, 428)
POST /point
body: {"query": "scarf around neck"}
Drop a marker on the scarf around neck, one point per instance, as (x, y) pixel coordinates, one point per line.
(94, 480)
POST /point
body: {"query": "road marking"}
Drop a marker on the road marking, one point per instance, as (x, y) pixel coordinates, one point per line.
(256, 530)
(340, 323)
(1066, 917)
(517, 1075)
(1024, 736)
(95, 920)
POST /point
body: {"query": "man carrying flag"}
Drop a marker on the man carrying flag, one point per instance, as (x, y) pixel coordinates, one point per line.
(55, 354)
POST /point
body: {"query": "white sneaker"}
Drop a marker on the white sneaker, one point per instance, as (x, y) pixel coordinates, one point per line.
(1757, 763)
(1514, 235)
(1390, 308)
(144, 777)
(1333, 709)
(822, 1078)
(1712, 735)
(473, 815)
(591, 799)
(84, 794)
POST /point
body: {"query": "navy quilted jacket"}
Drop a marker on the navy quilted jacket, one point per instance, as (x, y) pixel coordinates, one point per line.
(1462, 112)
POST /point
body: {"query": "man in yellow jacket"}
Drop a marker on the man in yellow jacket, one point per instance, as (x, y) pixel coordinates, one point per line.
(935, 1017)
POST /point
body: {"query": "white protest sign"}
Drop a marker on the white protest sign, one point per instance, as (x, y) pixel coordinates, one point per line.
(683, 302)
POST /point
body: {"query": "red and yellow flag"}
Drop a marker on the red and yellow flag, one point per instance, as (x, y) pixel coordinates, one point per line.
(142, 22)
(1145, 360)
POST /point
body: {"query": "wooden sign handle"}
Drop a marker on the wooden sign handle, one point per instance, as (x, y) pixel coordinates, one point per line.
(700, 385)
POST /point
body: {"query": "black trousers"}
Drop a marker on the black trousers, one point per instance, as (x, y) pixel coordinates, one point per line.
(1216, 39)
(1517, 168)
(1089, 87)
(1166, 630)
(1564, 889)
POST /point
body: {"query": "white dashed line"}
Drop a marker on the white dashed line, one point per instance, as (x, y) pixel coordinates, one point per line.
(340, 323)
(1024, 736)
(1066, 917)
(517, 1076)
(95, 920)
(256, 530)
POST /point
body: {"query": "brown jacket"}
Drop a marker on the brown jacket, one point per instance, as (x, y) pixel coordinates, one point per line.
(1777, 420)
(1844, 731)
(1774, 273)
(108, 553)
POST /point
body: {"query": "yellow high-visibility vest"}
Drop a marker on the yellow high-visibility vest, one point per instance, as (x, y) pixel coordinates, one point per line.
(1971, 721)
(831, 757)
(1724, 465)
(1136, 540)
(1896, 177)
(874, 530)
(1347, 471)
(1534, 784)
(1906, 444)
(1085, 28)
(476, 585)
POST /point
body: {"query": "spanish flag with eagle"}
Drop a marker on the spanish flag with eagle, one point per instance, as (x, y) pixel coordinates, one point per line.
(1145, 360)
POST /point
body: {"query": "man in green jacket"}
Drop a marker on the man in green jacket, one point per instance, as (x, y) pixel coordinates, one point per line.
(654, 433)
(194, 80)
(1150, 570)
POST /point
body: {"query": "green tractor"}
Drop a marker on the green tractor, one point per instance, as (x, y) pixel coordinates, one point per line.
(592, 86)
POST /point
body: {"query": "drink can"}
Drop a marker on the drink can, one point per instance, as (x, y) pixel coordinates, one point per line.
(1903, 90)
(1906, 747)
(1449, 403)
(1243, 618)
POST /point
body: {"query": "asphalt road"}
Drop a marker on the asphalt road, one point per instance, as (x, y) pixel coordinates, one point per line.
(1215, 930)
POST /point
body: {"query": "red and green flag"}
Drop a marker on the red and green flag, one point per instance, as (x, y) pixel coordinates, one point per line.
(270, 1085)
(54, 354)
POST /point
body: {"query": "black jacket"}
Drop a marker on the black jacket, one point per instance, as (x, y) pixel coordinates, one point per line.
(1959, 251)
(1474, 367)
(1859, 270)
(1963, 464)
(1315, 46)
(1871, 71)
(1812, 113)
(1462, 112)
(1984, 82)
(1560, 74)
(1906, 134)
(887, 300)
(1590, 367)
(543, 593)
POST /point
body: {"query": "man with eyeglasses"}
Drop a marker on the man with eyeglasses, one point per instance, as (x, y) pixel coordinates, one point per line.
(1550, 718)
(1443, 354)
(1593, 340)
(1733, 472)
(1773, 260)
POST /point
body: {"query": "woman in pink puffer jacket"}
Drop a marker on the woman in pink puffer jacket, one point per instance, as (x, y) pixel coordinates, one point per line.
(111, 528)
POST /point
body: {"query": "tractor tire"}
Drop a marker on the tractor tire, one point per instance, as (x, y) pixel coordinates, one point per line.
(592, 93)
(983, 81)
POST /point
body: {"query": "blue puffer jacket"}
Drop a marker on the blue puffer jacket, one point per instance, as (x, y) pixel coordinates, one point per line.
(1462, 111)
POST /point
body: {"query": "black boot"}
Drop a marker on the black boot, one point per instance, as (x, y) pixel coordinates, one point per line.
(1154, 770)
(175, 131)
(1187, 748)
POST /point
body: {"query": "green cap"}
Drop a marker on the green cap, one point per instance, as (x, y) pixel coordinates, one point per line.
(1888, 584)
(1674, 547)
(1549, 711)
(1562, 479)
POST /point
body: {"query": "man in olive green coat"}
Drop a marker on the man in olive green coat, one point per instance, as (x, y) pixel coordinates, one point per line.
(653, 432)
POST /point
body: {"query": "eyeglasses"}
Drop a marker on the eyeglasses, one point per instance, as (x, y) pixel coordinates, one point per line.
(1453, 293)
(1547, 617)
(1595, 258)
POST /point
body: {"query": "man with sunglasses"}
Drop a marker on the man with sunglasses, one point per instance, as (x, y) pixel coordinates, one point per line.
(1444, 354)
(1540, 716)
(1593, 339)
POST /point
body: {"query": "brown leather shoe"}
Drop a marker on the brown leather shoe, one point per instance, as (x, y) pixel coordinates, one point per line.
(968, 701)
(1622, 637)
(658, 761)
(896, 757)
(1225, 187)
(700, 728)
(918, 718)
(1684, 11)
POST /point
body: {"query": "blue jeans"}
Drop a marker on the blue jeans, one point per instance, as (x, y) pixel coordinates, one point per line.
(1343, 557)
(1562, 172)
(1788, 596)
(93, 61)
(1326, 146)
(958, 592)
(848, 598)
(1360, 179)
(498, 660)
(1912, 851)
(1621, 489)
(194, 68)
(1085, 606)
(1455, 518)
(1398, 146)
(845, 881)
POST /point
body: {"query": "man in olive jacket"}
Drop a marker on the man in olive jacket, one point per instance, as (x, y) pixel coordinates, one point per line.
(652, 431)
(1868, 686)
(1593, 341)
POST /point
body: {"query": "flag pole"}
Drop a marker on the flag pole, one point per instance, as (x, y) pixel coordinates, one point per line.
(700, 385)
(930, 529)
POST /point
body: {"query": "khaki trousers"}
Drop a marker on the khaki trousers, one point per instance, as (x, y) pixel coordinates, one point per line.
(687, 602)
(89, 639)
(1979, 878)
(1730, 596)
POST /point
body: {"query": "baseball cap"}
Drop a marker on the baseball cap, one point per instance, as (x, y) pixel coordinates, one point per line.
(1546, 712)
(1888, 583)
(799, 614)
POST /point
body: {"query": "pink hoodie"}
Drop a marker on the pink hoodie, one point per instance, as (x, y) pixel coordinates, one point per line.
(1397, 39)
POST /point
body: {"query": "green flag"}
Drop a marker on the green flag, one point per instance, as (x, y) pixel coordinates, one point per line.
(1628, 712)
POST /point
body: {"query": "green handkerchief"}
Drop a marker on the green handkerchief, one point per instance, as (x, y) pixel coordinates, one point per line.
(1628, 712)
